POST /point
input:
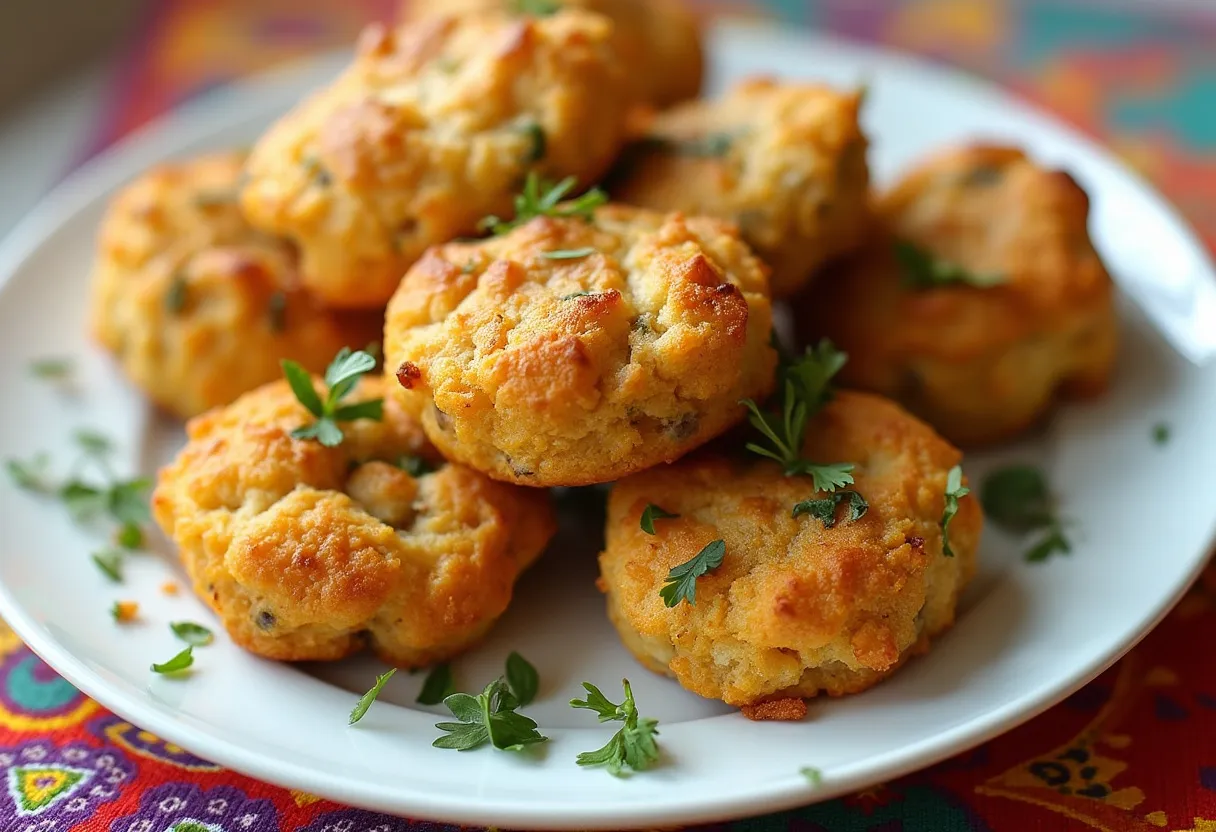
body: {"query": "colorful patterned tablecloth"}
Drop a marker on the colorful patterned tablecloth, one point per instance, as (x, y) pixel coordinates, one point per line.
(1133, 750)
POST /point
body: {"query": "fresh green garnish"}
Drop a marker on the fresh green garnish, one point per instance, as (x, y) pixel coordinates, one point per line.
(365, 702)
(92, 442)
(1161, 433)
(824, 510)
(536, 8)
(523, 679)
(709, 146)
(196, 635)
(340, 378)
(652, 513)
(682, 580)
(633, 747)
(276, 312)
(813, 775)
(490, 717)
(176, 294)
(1018, 499)
(125, 500)
(544, 199)
(109, 561)
(31, 475)
(130, 536)
(921, 270)
(568, 253)
(51, 369)
(415, 466)
(806, 389)
(574, 295)
(955, 491)
(536, 134)
(182, 661)
(438, 686)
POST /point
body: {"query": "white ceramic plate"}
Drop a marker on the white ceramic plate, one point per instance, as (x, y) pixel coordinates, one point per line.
(1026, 637)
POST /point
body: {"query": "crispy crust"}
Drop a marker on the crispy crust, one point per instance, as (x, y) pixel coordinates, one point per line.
(313, 553)
(433, 127)
(794, 609)
(981, 365)
(178, 229)
(659, 41)
(790, 168)
(576, 371)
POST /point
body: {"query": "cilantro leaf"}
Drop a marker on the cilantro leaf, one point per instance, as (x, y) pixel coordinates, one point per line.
(109, 561)
(652, 513)
(341, 377)
(1054, 542)
(921, 270)
(955, 491)
(438, 686)
(522, 678)
(682, 579)
(634, 746)
(196, 635)
(1017, 499)
(130, 536)
(365, 701)
(83, 500)
(824, 509)
(490, 717)
(300, 381)
(541, 198)
(181, 662)
(127, 501)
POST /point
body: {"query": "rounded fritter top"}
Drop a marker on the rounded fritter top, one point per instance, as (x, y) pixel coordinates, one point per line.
(197, 306)
(796, 607)
(431, 128)
(310, 552)
(659, 41)
(786, 161)
(569, 352)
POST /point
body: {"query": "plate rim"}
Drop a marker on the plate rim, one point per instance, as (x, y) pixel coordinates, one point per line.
(80, 188)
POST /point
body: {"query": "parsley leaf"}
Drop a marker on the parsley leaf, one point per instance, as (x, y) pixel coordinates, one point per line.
(682, 579)
(652, 513)
(824, 510)
(568, 253)
(365, 702)
(490, 717)
(921, 270)
(127, 501)
(1017, 499)
(438, 686)
(541, 198)
(196, 635)
(523, 678)
(955, 490)
(807, 388)
(93, 443)
(341, 377)
(634, 746)
(130, 536)
(182, 661)
(51, 369)
(31, 475)
(109, 561)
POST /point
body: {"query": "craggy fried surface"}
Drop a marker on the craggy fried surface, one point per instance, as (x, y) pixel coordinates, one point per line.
(659, 41)
(795, 608)
(980, 364)
(581, 370)
(198, 307)
(431, 128)
(309, 553)
(787, 162)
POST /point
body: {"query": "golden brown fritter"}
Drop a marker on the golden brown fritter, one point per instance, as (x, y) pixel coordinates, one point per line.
(312, 553)
(630, 347)
(980, 364)
(659, 41)
(431, 128)
(794, 608)
(198, 307)
(787, 162)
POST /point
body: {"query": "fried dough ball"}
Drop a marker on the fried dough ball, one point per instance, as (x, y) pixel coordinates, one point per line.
(981, 364)
(794, 608)
(313, 553)
(433, 127)
(197, 306)
(569, 352)
(787, 162)
(659, 41)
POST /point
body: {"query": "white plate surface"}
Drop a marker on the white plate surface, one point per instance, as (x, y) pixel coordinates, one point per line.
(1026, 637)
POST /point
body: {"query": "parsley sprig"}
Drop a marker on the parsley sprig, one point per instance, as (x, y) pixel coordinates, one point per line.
(541, 198)
(955, 491)
(634, 746)
(922, 270)
(491, 718)
(824, 510)
(340, 378)
(682, 580)
(365, 702)
(1018, 499)
(806, 389)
